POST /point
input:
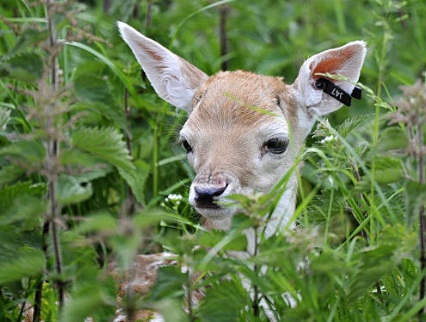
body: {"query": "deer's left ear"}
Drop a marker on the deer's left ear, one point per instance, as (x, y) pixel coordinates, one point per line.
(173, 78)
(344, 61)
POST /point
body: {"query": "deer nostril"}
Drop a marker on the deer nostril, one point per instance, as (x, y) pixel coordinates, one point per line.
(204, 195)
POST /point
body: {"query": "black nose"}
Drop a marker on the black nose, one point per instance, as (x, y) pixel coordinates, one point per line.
(204, 196)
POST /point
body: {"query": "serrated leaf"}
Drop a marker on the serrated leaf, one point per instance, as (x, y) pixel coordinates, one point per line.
(136, 179)
(9, 193)
(170, 280)
(106, 144)
(374, 263)
(25, 263)
(22, 203)
(70, 191)
(170, 310)
(94, 299)
(27, 67)
(23, 208)
(29, 39)
(392, 138)
(212, 238)
(32, 153)
(387, 170)
(9, 173)
(351, 123)
(223, 302)
(86, 166)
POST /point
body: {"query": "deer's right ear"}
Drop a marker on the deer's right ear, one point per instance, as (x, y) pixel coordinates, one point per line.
(173, 78)
(344, 61)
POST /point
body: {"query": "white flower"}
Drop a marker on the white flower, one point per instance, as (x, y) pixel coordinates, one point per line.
(328, 139)
(174, 197)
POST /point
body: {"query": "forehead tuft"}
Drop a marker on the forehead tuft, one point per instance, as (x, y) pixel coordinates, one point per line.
(242, 98)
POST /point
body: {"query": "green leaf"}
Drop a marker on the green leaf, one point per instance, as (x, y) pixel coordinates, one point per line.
(351, 123)
(86, 166)
(392, 138)
(9, 173)
(92, 88)
(137, 179)
(25, 263)
(126, 246)
(101, 223)
(223, 302)
(388, 170)
(95, 299)
(27, 67)
(9, 193)
(149, 217)
(170, 280)
(106, 144)
(29, 39)
(415, 198)
(109, 63)
(31, 153)
(24, 208)
(374, 263)
(212, 238)
(21, 203)
(170, 310)
(4, 118)
(70, 191)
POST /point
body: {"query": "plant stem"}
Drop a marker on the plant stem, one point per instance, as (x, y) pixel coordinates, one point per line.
(189, 297)
(39, 288)
(422, 220)
(132, 200)
(422, 255)
(52, 154)
(256, 300)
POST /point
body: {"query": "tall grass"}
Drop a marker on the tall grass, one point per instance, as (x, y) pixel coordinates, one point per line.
(90, 172)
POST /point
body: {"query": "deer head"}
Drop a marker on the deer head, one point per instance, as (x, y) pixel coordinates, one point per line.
(244, 130)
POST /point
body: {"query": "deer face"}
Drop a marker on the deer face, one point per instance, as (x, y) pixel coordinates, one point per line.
(237, 137)
(244, 130)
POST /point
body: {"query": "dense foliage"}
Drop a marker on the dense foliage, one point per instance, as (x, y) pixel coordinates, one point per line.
(90, 172)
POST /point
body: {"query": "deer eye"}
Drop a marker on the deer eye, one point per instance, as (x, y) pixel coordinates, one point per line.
(186, 146)
(276, 145)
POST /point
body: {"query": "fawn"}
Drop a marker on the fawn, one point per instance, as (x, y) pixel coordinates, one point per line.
(244, 131)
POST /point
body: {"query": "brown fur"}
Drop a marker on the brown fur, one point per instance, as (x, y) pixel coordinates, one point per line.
(238, 98)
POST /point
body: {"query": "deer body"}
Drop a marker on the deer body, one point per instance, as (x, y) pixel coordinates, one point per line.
(244, 131)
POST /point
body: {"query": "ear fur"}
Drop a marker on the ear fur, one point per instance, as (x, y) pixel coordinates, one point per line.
(343, 61)
(173, 78)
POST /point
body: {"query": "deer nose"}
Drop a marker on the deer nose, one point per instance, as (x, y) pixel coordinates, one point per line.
(204, 196)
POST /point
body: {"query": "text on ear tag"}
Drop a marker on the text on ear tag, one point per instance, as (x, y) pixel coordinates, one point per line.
(335, 91)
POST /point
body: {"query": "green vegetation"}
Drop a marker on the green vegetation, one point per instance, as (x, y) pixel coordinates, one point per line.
(88, 158)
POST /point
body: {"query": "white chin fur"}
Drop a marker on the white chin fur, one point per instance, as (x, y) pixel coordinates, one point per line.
(216, 214)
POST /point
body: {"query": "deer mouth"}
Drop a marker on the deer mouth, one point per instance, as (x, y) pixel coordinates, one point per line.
(215, 212)
(203, 205)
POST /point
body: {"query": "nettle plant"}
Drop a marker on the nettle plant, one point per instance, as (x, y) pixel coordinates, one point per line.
(63, 162)
(74, 194)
